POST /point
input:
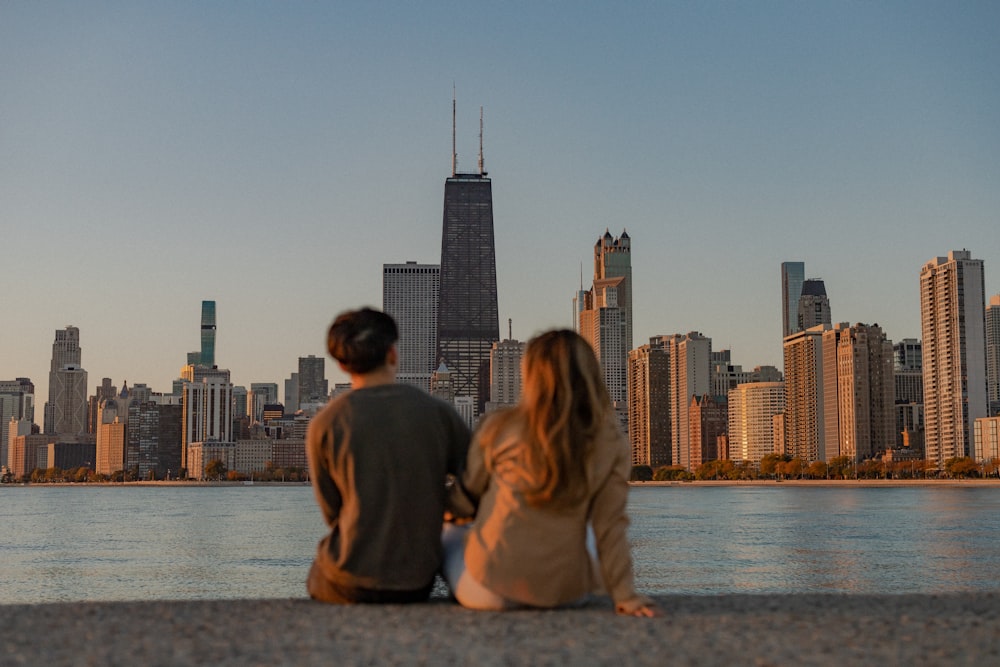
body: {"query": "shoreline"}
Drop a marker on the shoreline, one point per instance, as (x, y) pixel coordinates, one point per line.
(670, 483)
(826, 482)
(765, 630)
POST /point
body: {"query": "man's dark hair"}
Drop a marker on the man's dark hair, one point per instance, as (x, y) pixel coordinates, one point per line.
(360, 339)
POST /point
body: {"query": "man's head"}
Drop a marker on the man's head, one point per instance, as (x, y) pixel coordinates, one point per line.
(361, 340)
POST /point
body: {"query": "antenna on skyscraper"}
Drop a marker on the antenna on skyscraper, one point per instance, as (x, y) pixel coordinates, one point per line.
(481, 171)
(510, 329)
(454, 153)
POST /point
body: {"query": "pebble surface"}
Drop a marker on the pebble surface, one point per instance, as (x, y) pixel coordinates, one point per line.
(756, 630)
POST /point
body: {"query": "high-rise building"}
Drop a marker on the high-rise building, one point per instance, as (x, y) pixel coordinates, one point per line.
(240, 401)
(261, 394)
(66, 349)
(908, 379)
(207, 409)
(313, 385)
(690, 375)
(906, 355)
(208, 333)
(112, 429)
(410, 294)
(814, 305)
(986, 439)
(649, 404)
(707, 417)
(792, 276)
(993, 354)
(153, 445)
(753, 409)
(604, 313)
(468, 319)
(859, 394)
(613, 261)
(603, 324)
(66, 409)
(725, 374)
(292, 393)
(805, 427)
(22, 456)
(103, 392)
(505, 374)
(953, 338)
(17, 402)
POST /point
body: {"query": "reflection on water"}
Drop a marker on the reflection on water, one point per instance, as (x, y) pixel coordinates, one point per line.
(795, 539)
(134, 543)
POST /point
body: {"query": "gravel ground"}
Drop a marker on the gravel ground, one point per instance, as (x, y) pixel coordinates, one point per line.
(960, 629)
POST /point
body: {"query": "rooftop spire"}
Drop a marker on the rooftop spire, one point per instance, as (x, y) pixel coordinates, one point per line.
(454, 153)
(482, 171)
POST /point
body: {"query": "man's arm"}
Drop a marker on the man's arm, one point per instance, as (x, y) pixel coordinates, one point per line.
(319, 448)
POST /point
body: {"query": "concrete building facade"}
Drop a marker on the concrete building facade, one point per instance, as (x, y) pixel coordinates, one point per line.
(953, 339)
(410, 294)
(649, 404)
(752, 409)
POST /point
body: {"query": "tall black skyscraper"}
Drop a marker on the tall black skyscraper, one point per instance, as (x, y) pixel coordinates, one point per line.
(468, 321)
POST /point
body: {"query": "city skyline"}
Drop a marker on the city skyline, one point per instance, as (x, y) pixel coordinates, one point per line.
(152, 165)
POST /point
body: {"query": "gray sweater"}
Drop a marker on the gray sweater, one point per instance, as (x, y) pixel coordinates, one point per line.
(379, 457)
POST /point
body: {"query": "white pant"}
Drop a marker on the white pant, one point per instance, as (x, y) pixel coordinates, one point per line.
(469, 592)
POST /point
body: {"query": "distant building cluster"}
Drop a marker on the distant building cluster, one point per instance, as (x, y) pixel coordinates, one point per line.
(138, 434)
(846, 392)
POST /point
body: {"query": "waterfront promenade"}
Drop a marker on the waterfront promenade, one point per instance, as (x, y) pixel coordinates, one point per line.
(958, 629)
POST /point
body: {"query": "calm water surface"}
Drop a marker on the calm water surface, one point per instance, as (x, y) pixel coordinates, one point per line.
(135, 543)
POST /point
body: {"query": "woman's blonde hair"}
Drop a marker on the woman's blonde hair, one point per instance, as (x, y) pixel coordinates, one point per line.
(564, 406)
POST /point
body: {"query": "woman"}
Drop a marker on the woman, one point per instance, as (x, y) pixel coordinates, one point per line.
(537, 476)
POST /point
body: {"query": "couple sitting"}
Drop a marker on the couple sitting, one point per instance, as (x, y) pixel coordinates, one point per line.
(539, 482)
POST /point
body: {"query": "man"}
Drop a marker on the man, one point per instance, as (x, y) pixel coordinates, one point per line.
(379, 456)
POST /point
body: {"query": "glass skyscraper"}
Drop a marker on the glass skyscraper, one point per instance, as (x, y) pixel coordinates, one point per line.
(208, 333)
(793, 274)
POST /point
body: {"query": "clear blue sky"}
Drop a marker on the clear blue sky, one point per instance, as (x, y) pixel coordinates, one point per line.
(272, 156)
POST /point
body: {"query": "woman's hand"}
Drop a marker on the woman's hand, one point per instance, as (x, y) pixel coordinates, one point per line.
(647, 611)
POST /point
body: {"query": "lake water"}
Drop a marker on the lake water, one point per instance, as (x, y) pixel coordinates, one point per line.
(72, 543)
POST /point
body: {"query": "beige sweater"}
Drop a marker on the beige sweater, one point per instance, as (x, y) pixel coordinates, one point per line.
(538, 556)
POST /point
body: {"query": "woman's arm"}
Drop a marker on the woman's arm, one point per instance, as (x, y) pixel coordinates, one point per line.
(610, 522)
(463, 496)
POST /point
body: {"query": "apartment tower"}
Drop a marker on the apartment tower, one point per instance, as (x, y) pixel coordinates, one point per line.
(505, 373)
(953, 328)
(690, 375)
(993, 355)
(805, 427)
(859, 396)
(649, 405)
(207, 402)
(753, 407)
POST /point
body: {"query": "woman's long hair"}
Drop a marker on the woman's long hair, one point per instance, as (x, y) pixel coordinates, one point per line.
(564, 407)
